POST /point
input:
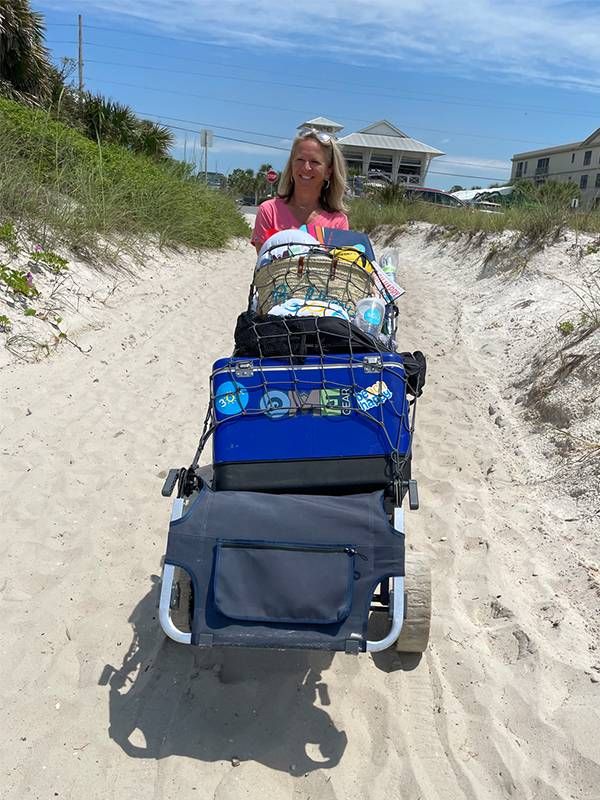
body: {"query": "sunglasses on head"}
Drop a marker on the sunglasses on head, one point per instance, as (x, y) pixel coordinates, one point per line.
(324, 138)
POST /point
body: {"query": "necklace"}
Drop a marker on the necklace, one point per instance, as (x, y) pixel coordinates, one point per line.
(310, 208)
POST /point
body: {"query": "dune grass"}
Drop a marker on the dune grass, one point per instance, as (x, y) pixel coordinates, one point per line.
(535, 223)
(61, 188)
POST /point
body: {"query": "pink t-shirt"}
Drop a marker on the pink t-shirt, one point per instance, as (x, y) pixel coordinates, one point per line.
(275, 215)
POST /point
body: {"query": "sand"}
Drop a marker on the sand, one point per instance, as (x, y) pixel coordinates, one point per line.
(97, 704)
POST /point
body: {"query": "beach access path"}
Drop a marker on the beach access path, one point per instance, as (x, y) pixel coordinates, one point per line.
(98, 705)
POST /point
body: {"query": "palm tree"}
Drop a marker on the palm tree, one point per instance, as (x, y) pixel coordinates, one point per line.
(152, 139)
(242, 181)
(107, 121)
(25, 67)
(260, 183)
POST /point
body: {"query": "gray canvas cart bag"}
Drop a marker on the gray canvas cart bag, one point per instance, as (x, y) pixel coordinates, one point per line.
(284, 570)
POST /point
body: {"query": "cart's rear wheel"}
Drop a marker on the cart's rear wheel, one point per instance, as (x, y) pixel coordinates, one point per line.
(417, 605)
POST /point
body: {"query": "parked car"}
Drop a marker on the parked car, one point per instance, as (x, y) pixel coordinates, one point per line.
(487, 207)
(493, 200)
(435, 196)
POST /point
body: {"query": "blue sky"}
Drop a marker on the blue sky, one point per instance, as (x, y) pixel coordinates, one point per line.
(478, 79)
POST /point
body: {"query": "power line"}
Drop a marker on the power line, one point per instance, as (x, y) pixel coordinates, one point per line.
(255, 133)
(416, 98)
(284, 138)
(205, 97)
(458, 100)
(355, 119)
(235, 66)
(230, 138)
(271, 136)
(410, 95)
(146, 35)
(287, 149)
(202, 97)
(209, 125)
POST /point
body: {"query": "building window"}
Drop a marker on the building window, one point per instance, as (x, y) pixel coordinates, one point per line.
(598, 180)
(587, 158)
(409, 166)
(583, 182)
(542, 166)
(572, 158)
(521, 169)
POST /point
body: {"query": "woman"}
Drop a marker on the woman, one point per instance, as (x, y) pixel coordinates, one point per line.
(311, 189)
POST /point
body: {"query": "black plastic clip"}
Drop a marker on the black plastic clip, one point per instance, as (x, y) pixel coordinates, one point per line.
(170, 481)
(353, 646)
(186, 480)
(413, 495)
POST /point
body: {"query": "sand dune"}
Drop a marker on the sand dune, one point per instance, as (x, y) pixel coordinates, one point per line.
(98, 705)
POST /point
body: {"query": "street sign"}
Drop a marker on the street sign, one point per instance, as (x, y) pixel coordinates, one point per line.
(272, 176)
(206, 138)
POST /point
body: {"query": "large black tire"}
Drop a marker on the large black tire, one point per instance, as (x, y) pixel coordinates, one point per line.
(417, 605)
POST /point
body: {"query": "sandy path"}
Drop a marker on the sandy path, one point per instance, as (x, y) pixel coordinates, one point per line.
(98, 705)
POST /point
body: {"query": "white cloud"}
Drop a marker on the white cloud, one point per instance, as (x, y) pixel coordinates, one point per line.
(543, 41)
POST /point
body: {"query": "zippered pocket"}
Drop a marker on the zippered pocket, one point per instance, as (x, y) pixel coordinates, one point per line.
(284, 582)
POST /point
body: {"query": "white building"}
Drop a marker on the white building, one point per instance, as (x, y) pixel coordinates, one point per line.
(381, 148)
(578, 162)
(321, 124)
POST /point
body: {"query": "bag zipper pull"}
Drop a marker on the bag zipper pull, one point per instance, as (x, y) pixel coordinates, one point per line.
(352, 551)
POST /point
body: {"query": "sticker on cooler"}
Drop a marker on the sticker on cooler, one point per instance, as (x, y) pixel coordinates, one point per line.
(325, 402)
(373, 396)
(275, 404)
(335, 402)
(231, 398)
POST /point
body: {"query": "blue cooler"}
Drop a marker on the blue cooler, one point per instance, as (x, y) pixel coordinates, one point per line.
(326, 424)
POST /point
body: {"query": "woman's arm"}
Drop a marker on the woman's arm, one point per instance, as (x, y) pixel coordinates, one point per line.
(263, 224)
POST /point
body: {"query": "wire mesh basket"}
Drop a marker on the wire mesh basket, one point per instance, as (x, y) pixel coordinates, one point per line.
(340, 277)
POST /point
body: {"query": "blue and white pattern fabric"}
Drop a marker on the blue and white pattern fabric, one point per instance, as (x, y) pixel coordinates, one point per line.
(300, 307)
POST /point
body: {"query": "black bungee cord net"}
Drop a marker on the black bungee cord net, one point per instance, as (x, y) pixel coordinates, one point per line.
(286, 342)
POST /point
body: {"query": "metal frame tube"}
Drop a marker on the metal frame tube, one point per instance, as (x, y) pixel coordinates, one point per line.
(166, 589)
(397, 600)
(397, 619)
(164, 608)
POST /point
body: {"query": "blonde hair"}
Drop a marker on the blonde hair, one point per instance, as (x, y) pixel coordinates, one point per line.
(332, 193)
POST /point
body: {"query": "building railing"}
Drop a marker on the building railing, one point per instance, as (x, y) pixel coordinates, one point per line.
(412, 179)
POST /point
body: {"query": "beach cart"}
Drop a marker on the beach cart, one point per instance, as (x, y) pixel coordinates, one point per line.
(298, 540)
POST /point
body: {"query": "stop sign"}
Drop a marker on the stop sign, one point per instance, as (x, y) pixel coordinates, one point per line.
(272, 176)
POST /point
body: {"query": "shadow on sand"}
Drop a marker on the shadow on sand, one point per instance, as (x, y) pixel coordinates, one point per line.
(169, 699)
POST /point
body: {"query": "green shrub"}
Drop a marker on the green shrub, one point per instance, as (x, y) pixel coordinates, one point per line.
(5, 324)
(47, 258)
(18, 281)
(61, 185)
(566, 327)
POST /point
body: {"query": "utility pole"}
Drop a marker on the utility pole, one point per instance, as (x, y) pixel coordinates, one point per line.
(80, 60)
(206, 140)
